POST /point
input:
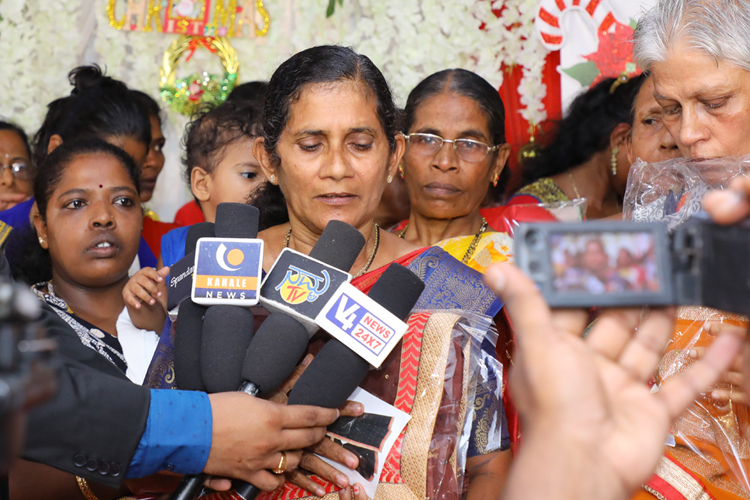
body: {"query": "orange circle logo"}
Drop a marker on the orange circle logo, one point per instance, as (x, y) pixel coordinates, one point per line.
(235, 257)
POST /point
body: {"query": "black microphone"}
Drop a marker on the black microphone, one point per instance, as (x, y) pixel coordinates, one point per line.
(227, 329)
(337, 370)
(180, 278)
(282, 339)
(189, 325)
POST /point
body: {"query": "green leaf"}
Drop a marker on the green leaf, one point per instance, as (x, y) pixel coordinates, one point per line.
(331, 8)
(633, 23)
(341, 3)
(584, 73)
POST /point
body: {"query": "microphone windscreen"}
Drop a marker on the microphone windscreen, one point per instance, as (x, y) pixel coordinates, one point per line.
(187, 346)
(275, 350)
(331, 377)
(236, 220)
(398, 289)
(196, 232)
(227, 331)
(338, 245)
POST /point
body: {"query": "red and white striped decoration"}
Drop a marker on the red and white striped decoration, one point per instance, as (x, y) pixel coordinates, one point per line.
(548, 20)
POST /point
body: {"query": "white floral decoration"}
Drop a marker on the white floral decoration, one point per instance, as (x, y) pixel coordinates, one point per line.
(40, 41)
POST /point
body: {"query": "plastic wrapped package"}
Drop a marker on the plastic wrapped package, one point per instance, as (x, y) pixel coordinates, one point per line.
(507, 218)
(708, 449)
(673, 190)
(445, 376)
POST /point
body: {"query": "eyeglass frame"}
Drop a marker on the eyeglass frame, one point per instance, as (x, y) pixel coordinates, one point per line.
(13, 171)
(490, 149)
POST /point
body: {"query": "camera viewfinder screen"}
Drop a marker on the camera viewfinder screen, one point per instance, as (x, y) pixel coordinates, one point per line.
(600, 263)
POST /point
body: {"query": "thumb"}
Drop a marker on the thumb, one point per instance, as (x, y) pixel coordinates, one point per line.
(163, 272)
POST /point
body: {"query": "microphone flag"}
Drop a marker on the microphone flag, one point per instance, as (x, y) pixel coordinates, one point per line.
(227, 271)
(299, 285)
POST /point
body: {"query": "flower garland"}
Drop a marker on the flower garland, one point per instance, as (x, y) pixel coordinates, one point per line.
(42, 41)
(407, 39)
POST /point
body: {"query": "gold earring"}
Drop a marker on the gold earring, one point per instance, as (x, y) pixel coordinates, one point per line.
(497, 178)
(613, 160)
(401, 169)
(272, 179)
(389, 179)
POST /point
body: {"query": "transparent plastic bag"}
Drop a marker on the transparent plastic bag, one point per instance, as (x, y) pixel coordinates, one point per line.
(673, 190)
(508, 218)
(710, 438)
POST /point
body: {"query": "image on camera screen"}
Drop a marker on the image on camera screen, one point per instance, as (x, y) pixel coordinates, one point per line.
(600, 263)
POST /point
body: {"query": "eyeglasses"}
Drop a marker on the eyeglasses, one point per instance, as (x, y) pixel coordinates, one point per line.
(466, 149)
(19, 169)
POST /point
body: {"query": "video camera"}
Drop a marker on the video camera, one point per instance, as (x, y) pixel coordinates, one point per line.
(26, 377)
(620, 264)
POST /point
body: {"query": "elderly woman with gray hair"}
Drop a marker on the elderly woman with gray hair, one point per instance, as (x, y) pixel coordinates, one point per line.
(698, 52)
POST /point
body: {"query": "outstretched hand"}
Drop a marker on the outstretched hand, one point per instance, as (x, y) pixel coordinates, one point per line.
(591, 422)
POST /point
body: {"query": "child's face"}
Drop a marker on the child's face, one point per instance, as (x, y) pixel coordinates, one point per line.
(235, 177)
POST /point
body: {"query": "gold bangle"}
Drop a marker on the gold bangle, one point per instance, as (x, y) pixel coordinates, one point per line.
(83, 485)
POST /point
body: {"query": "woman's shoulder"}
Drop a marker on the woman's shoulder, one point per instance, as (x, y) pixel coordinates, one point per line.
(544, 190)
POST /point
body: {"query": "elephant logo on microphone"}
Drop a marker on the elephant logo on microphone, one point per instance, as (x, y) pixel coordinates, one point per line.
(299, 285)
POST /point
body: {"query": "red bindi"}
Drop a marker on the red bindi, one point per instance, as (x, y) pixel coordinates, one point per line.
(100, 186)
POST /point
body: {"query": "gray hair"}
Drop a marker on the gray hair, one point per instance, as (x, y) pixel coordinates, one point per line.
(720, 28)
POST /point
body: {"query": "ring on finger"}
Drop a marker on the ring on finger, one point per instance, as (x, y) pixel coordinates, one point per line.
(281, 468)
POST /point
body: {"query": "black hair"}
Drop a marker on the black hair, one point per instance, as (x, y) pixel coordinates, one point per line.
(215, 128)
(271, 203)
(254, 92)
(98, 106)
(147, 103)
(586, 128)
(51, 171)
(20, 132)
(323, 64)
(467, 84)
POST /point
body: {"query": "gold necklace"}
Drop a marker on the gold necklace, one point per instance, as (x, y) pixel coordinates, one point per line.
(472, 246)
(372, 254)
(574, 184)
(475, 241)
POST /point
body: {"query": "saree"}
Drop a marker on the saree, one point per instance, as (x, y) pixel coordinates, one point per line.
(710, 457)
(424, 462)
(545, 190)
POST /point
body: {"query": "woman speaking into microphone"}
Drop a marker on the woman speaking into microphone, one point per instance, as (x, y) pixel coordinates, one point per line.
(330, 146)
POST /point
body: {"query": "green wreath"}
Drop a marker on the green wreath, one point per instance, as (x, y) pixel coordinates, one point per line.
(186, 95)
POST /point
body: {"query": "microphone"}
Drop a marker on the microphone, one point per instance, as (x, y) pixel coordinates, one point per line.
(337, 370)
(181, 273)
(228, 267)
(282, 338)
(299, 285)
(227, 329)
(189, 325)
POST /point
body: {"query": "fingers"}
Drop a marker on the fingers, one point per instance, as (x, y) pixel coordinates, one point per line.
(287, 385)
(265, 480)
(163, 272)
(730, 205)
(297, 478)
(642, 354)
(291, 460)
(145, 286)
(612, 331)
(218, 483)
(317, 466)
(679, 392)
(724, 396)
(298, 417)
(570, 321)
(528, 311)
(352, 409)
(295, 439)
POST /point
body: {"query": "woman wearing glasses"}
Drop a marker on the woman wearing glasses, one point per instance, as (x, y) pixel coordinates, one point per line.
(16, 178)
(455, 148)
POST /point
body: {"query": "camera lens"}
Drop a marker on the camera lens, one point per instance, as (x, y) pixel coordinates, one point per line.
(533, 239)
